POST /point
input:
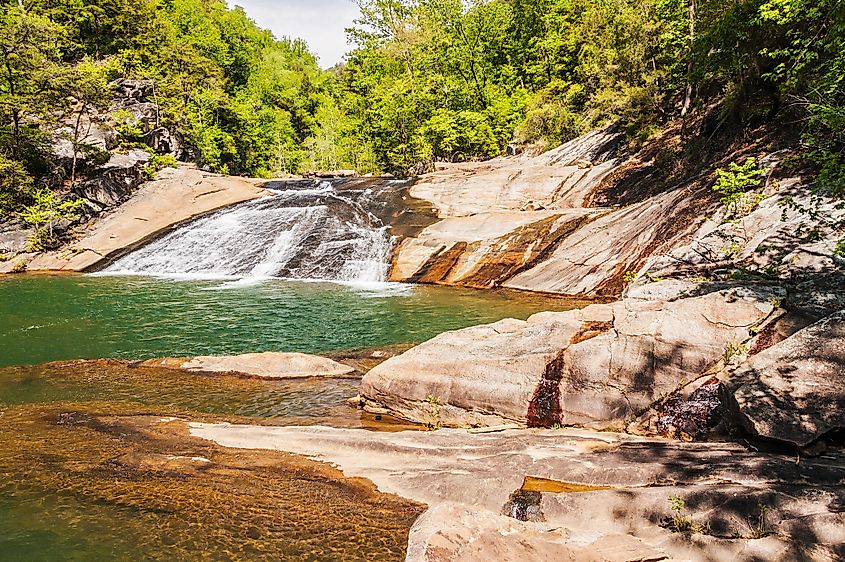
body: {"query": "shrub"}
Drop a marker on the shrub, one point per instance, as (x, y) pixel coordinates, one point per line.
(157, 163)
(733, 185)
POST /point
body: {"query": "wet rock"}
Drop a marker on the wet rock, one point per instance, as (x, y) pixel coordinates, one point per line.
(542, 372)
(176, 196)
(686, 415)
(616, 512)
(260, 365)
(793, 391)
(483, 250)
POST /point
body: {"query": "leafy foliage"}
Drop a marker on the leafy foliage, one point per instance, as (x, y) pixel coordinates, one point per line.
(426, 80)
(45, 212)
(734, 183)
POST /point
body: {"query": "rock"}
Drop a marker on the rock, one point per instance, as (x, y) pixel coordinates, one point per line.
(14, 235)
(604, 496)
(594, 259)
(599, 365)
(777, 235)
(688, 414)
(337, 174)
(176, 196)
(133, 106)
(553, 180)
(259, 365)
(453, 533)
(114, 182)
(794, 391)
(94, 131)
(165, 141)
(133, 90)
(482, 250)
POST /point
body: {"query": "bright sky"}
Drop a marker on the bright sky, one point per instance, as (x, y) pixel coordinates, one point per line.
(319, 22)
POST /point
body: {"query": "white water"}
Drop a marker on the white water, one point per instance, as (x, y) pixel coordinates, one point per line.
(300, 234)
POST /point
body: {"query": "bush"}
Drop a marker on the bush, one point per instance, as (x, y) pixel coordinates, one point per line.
(16, 185)
(42, 241)
(157, 163)
(733, 184)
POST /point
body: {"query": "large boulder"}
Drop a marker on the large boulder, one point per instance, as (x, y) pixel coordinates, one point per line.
(594, 366)
(794, 391)
(114, 182)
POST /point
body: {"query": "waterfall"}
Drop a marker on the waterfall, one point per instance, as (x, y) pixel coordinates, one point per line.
(302, 233)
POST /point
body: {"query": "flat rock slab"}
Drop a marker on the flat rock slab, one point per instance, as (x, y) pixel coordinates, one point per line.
(795, 390)
(178, 195)
(269, 365)
(595, 366)
(622, 486)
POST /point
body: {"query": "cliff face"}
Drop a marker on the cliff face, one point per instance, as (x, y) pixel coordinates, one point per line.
(585, 217)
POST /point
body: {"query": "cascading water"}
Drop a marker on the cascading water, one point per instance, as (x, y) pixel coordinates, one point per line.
(314, 233)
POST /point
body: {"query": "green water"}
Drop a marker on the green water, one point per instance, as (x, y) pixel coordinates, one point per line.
(86, 446)
(45, 318)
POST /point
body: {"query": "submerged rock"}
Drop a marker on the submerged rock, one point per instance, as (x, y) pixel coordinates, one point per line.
(260, 365)
(604, 496)
(794, 391)
(596, 366)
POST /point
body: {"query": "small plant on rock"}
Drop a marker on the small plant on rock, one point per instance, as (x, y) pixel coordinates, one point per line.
(733, 186)
(434, 413)
(761, 528)
(683, 523)
(630, 277)
(733, 350)
(157, 163)
(20, 267)
(839, 251)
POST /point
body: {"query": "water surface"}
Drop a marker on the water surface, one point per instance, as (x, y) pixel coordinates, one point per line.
(48, 318)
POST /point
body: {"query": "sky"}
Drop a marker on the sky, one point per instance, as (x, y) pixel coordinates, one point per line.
(319, 22)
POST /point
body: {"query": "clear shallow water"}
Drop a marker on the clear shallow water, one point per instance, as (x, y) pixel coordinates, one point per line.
(49, 318)
(88, 471)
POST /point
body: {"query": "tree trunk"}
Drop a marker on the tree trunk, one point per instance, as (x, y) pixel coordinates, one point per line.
(688, 95)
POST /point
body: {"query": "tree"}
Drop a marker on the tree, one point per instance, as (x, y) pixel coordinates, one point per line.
(44, 214)
(30, 55)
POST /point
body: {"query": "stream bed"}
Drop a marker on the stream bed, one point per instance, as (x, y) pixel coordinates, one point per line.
(96, 462)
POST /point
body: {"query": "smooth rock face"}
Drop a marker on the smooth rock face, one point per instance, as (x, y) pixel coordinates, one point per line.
(261, 365)
(558, 179)
(481, 250)
(451, 532)
(778, 235)
(594, 259)
(795, 390)
(581, 367)
(176, 196)
(603, 496)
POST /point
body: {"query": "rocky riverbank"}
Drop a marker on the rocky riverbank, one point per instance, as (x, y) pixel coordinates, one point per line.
(177, 195)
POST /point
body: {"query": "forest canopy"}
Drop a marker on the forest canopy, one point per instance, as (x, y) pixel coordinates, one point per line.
(425, 80)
